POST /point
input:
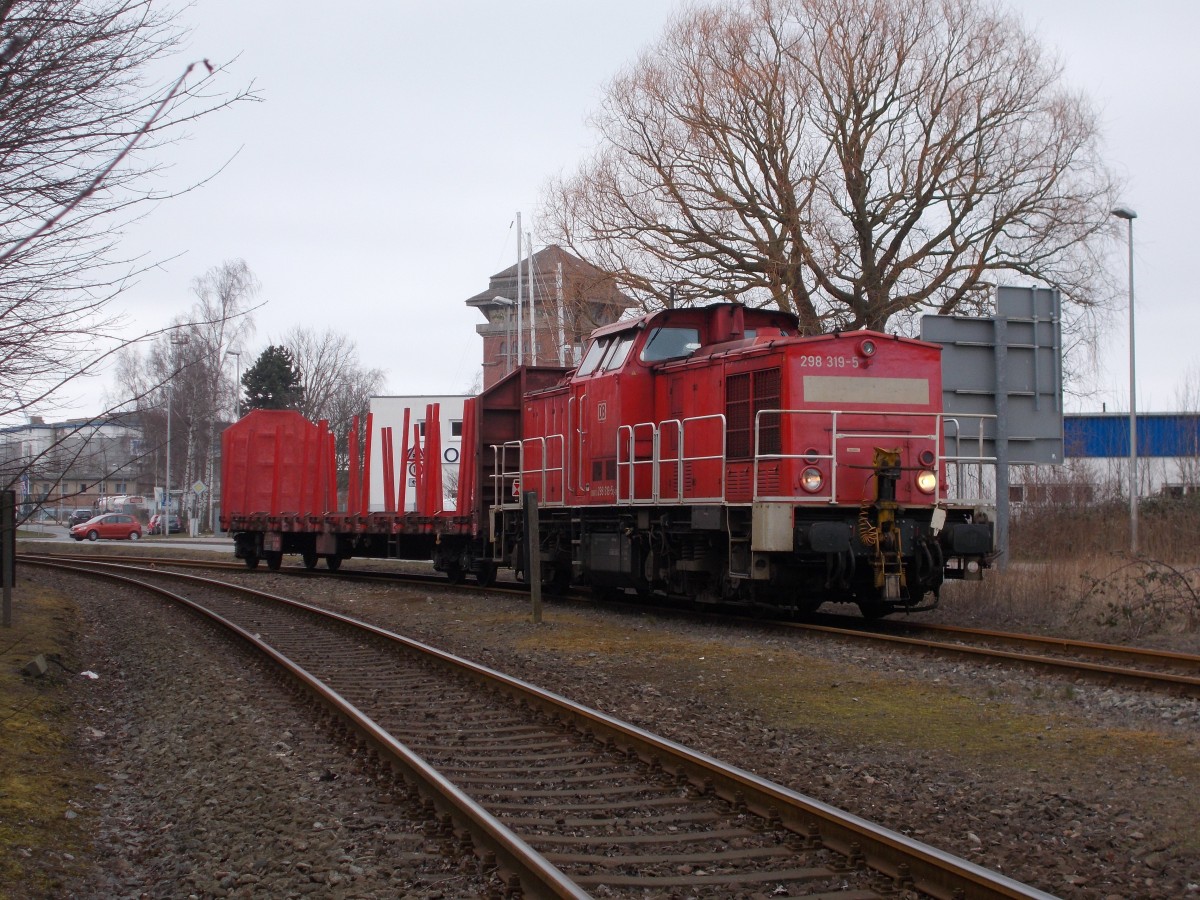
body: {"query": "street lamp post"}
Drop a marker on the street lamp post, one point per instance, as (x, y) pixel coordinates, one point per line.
(237, 383)
(1124, 212)
(214, 471)
(165, 520)
(177, 341)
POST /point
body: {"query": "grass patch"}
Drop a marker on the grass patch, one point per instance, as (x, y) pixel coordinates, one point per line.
(41, 778)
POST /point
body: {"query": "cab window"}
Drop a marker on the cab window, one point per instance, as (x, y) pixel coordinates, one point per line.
(670, 343)
(619, 353)
(595, 353)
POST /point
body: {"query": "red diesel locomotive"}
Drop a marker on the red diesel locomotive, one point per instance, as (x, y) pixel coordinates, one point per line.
(709, 453)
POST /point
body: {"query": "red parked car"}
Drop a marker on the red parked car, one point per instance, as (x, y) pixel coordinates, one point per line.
(111, 526)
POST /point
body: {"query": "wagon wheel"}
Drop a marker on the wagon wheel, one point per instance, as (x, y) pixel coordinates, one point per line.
(274, 559)
(310, 560)
(252, 561)
(485, 573)
(333, 563)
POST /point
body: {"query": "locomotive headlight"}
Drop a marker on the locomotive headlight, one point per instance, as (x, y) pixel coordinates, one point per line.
(926, 481)
(811, 479)
(866, 347)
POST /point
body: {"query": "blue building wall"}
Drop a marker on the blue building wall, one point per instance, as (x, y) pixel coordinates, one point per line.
(1106, 435)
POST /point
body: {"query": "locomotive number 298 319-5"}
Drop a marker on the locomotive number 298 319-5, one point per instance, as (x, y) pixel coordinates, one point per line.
(828, 362)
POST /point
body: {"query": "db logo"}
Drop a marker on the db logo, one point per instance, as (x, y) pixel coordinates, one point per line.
(601, 411)
(516, 487)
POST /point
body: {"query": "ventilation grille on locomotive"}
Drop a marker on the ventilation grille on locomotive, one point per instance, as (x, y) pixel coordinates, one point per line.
(747, 394)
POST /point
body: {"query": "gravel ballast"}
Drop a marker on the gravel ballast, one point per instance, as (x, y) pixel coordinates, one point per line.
(1079, 790)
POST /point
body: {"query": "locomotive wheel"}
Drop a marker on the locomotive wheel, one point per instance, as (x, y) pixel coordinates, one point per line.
(455, 574)
(251, 562)
(274, 560)
(485, 574)
(559, 581)
(874, 609)
(310, 560)
(333, 563)
(607, 593)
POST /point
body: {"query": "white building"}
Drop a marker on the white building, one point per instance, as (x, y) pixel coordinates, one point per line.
(388, 412)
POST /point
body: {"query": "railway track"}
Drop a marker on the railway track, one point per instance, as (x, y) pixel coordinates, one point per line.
(1106, 664)
(1111, 664)
(564, 798)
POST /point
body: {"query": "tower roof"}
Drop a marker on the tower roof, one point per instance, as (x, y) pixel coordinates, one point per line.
(594, 284)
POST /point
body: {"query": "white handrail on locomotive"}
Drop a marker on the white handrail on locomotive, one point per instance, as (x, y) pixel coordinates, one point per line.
(962, 463)
(679, 460)
(580, 433)
(682, 430)
(569, 486)
(512, 482)
(543, 471)
(630, 464)
(937, 438)
(522, 475)
(504, 480)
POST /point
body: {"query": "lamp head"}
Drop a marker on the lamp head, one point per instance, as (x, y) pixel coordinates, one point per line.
(1124, 212)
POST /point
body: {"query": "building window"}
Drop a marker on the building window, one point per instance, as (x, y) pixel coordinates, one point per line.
(456, 428)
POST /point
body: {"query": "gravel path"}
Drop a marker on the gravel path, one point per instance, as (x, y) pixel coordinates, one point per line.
(1083, 792)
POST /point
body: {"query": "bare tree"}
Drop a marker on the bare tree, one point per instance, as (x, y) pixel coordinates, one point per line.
(186, 378)
(336, 386)
(852, 161)
(82, 125)
(330, 371)
(223, 300)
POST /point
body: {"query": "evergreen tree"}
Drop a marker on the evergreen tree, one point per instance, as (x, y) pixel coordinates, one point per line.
(273, 382)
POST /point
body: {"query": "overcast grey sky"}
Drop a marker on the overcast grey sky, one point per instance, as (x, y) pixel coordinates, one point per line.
(375, 187)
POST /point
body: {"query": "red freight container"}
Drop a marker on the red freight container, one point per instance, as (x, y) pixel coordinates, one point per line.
(271, 465)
